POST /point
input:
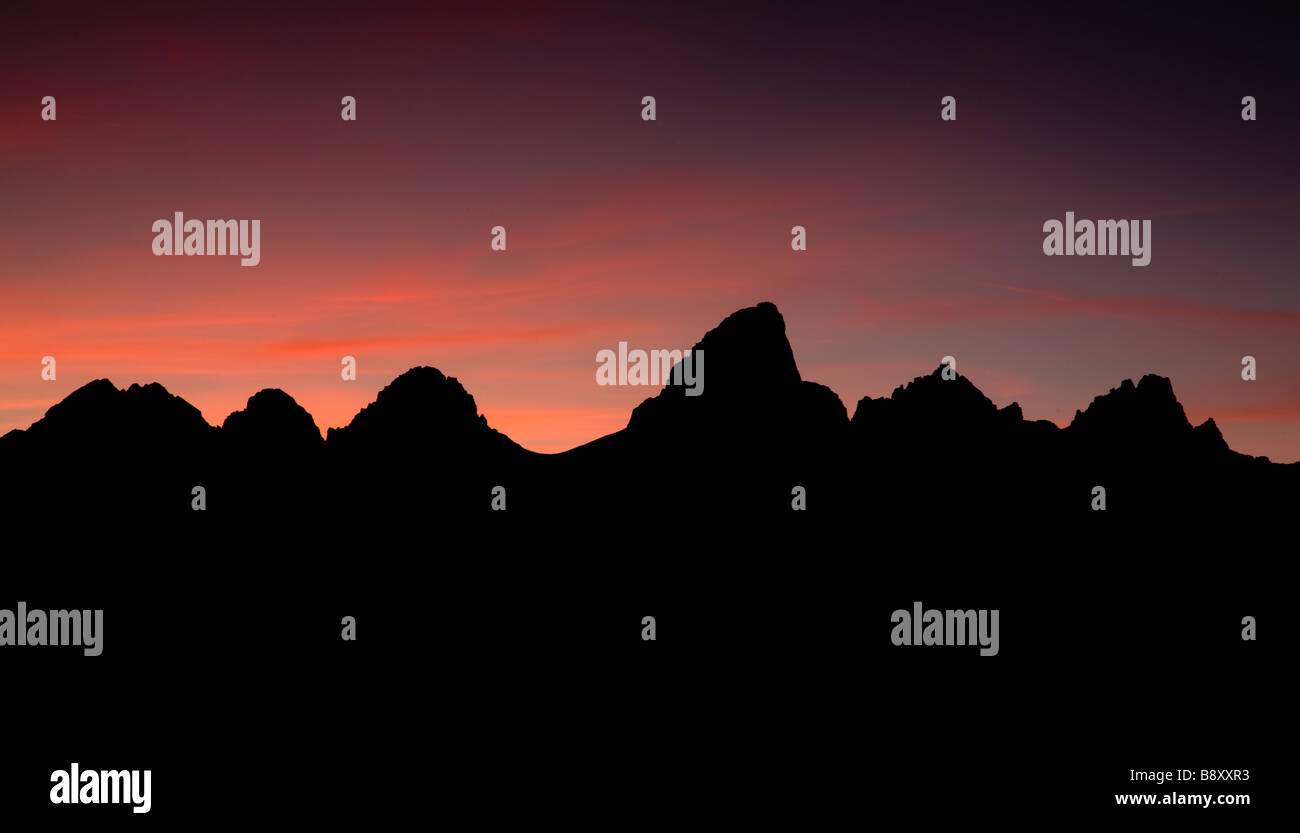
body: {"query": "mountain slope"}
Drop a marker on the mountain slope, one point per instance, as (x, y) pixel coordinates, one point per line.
(757, 436)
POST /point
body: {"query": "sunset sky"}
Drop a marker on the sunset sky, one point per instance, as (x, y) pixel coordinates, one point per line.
(924, 236)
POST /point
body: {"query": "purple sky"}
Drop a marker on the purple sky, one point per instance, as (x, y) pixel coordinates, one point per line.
(924, 236)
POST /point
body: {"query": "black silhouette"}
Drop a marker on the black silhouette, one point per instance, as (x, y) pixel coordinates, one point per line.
(936, 461)
(932, 494)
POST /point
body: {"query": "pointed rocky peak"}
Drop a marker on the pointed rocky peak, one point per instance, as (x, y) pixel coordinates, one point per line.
(99, 410)
(749, 348)
(420, 404)
(957, 396)
(272, 418)
(748, 376)
(1209, 438)
(933, 398)
(93, 396)
(1147, 409)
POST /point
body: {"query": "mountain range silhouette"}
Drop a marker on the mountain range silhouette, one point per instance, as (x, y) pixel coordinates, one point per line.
(935, 452)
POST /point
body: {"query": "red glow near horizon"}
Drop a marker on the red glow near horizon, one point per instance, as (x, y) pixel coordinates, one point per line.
(924, 239)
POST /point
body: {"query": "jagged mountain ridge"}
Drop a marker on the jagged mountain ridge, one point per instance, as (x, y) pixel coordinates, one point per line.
(759, 433)
(750, 364)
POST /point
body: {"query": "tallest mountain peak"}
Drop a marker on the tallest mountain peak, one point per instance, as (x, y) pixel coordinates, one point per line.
(749, 383)
(750, 348)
